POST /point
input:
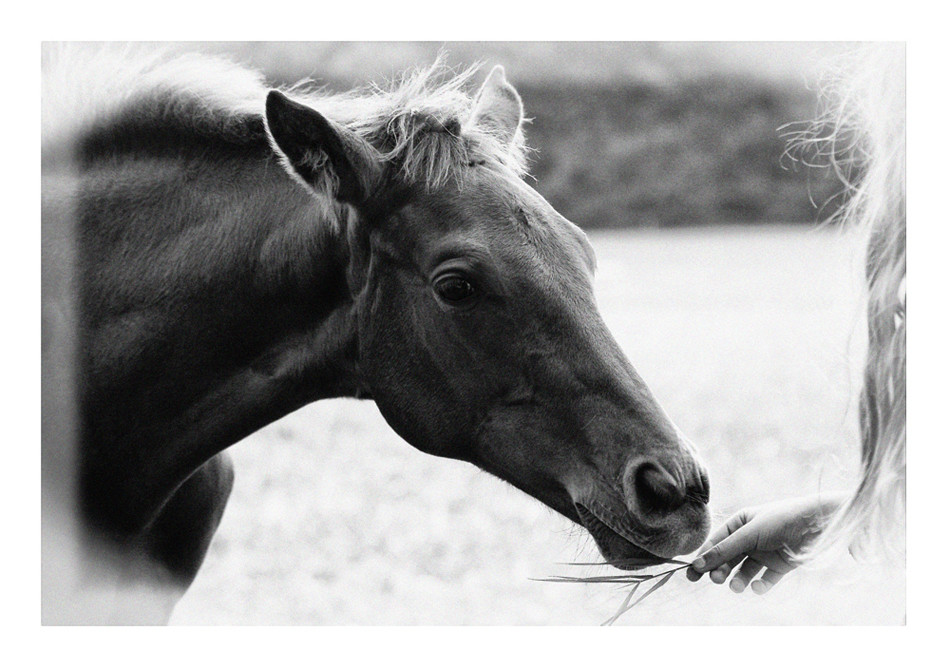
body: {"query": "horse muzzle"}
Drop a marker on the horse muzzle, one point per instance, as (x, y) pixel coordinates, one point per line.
(659, 511)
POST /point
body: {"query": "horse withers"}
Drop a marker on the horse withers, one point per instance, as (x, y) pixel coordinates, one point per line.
(243, 253)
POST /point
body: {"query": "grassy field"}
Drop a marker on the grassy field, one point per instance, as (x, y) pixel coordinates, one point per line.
(746, 335)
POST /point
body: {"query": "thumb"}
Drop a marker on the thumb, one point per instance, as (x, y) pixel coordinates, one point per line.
(740, 542)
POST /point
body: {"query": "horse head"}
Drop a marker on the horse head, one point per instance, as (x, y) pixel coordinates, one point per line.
(478, 334)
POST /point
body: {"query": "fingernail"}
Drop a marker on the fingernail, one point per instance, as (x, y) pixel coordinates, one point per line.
(699, 563)
(759, 588)
(736, 585)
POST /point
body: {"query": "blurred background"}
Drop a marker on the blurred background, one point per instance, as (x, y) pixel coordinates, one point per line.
(741, 313)
(655, 134)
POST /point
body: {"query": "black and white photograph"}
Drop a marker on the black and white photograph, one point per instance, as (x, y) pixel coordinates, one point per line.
(473, 333)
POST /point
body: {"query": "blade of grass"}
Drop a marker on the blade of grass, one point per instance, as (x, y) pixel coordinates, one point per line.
(626, 607)
(623, 607)
(631, 562)
(612, 578)
(584, 579)
(635, 580)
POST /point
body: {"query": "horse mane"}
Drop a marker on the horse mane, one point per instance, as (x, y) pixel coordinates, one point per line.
(116, 98)
(88, 87)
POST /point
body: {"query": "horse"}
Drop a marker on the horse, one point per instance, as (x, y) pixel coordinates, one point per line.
(242, 251)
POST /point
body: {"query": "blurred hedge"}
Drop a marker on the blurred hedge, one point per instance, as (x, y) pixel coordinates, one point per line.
(695, 152)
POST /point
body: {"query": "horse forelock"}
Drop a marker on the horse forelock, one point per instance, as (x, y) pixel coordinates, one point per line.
(419, 123)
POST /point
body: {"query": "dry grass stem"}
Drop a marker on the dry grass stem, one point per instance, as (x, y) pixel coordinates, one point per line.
(661, 578)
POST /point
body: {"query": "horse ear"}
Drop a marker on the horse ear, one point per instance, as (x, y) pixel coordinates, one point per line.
(498, 106)
(311, 143)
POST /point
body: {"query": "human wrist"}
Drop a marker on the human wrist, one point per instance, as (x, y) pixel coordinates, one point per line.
(820, 508)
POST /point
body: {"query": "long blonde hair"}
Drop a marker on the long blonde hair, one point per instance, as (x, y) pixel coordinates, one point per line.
(862, 136)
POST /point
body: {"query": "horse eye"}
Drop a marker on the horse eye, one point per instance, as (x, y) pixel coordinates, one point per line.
(454, 289)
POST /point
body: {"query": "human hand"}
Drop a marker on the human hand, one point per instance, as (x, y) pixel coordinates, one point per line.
(765, 537)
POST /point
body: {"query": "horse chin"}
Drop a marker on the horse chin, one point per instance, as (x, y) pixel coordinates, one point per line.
(617, 550)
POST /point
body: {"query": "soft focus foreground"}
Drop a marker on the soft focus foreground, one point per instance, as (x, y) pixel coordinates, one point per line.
(748, 337)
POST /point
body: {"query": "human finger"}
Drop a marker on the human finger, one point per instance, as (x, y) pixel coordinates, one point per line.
(738, 544)
(768, 579)
(718, 575)
(746, 573)
(775, 560)
(734, 522)
(721, 573)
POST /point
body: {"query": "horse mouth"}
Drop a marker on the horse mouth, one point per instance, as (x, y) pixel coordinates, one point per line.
(614, 544)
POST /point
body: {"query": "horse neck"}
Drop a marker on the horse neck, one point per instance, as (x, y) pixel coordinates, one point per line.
(214, 301)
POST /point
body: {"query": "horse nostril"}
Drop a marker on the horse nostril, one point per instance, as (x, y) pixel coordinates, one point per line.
(656, 489)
